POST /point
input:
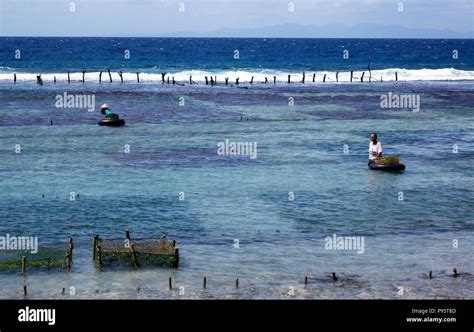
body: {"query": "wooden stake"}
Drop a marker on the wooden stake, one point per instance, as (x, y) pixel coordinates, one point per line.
(134, 255)
(306, 280)
(324, 78)
(334, 278)
(83, 76)
(237, 81)
(100, 77)
(99, 254)
(266, 80)
(302, 81)
(226, 80)
(430, 274)
(251, 80)
(396, 76)
(138, 77)
(337, 76)
(68, 77)
(94, 246)
(71, 245)
(120, 74)
(25, 290)
(14, 78)
(368, 67)
(69, 255)
(110, 75)
(23, 264)
(274, 79)
(314, 77)
(170, 283)
(174, 82)
(207, 81)
(352, 74)
(54, 79)
(68, 261)
(237, 283)
(362, 77)
(455, 272)
(132, 248)
(163, 77)
(289, 79)
(204, 283)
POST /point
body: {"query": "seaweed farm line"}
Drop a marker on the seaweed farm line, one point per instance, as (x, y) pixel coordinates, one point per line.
(177, 289)
(210, 78)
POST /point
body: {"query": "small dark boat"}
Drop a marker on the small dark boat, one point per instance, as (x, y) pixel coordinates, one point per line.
(388, 167)
(112, 121)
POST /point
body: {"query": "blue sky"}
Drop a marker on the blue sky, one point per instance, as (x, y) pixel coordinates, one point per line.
(163, 17)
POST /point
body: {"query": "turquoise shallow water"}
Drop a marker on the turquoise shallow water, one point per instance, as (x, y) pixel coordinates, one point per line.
(173, 149)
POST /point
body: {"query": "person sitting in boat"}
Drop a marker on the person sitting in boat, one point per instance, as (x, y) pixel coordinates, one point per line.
(105, 111)
(375, 148)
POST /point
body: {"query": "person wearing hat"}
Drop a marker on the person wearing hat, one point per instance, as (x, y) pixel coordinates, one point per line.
(105, 110)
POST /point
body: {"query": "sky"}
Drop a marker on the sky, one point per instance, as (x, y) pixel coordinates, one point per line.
(181, 17)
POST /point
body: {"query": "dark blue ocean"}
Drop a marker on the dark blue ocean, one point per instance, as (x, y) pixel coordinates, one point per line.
(217, 54)
(264, 220)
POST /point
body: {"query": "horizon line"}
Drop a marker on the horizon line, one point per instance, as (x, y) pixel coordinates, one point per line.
(223, 37)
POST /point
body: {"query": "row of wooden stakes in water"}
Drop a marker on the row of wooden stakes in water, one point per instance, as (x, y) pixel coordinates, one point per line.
(237, 283)
(209, 80)
(306, 279)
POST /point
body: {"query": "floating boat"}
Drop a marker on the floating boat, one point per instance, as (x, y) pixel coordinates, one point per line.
(387, 167)
(112, 122)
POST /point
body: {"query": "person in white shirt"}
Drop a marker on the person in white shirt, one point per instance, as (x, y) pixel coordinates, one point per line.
(375, 148)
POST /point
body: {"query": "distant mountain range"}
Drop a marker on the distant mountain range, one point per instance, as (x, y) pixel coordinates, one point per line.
(329, 31)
